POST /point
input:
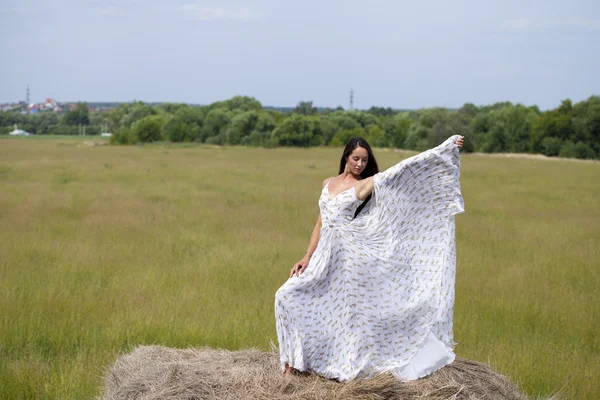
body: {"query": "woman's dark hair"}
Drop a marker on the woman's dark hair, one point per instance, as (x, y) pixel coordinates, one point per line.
(371, 168)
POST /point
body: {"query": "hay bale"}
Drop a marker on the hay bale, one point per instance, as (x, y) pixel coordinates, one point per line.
(154, 372)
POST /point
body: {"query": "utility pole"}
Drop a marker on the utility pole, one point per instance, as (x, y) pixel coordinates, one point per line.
(351, 107)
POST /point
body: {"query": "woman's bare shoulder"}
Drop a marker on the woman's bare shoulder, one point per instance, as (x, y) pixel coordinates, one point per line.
(327, 180)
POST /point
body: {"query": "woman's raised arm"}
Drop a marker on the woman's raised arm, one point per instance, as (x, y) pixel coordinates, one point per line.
(364, 187)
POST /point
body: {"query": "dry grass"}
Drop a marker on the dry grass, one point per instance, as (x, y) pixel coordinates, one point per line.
(160, 373)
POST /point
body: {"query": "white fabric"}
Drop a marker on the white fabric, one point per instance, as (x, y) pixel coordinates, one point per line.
(378, 293)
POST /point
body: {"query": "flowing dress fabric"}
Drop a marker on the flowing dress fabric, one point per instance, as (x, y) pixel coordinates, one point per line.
(378, 292)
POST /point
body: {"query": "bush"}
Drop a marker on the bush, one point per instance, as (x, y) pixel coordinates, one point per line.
(124, 136)
(176, 130)
(64, 130)
(577, 150)
(148, 129)
(93, 130)
(417, 137)
(551, 146)
(584, 151)
(342, 137)
(567, 150)
(243, 125)
(299, 130)
(218, 140)
(258, 138)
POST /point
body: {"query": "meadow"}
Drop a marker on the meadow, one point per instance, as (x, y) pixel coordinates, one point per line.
(103, 248)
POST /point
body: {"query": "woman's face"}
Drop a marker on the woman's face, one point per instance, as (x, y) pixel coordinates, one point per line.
(357, 160)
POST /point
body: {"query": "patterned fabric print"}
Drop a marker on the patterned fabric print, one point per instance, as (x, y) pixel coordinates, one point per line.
(378, 285)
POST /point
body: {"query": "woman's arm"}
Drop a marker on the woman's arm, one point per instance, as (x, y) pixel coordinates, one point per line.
(300, 266)
(364, 187)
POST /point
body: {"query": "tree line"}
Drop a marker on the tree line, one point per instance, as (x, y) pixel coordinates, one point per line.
(570, 130)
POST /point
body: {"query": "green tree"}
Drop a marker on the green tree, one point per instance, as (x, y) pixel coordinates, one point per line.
(479, 127)
(469, 110)
(305, 108)
(501, 128)
(298, 130)
(245, 124)
(421, 135)
(396, 129)
(148, 129)
(237, 104)
(577, 150)
(431, 116)
(78, 116)
(193, 117)
(417, 138)
(10, 118)
(438, 133)
(375, 136)
(115, 115)
(136, 112)
(584, 151)
(190, 115)
(333, 123)
(554, 123)
(381, 111)
(586, 122)
(124, 136)
(97, 118)
(170, 108)
(45, 122)
(365, 120)
(517, 122)
(342, 137)
(215, 125)
(551, 146)
(176, 130)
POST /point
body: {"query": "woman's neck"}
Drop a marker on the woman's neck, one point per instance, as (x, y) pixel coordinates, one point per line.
(347, 175)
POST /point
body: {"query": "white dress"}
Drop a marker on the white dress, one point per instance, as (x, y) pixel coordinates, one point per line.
(378, 293)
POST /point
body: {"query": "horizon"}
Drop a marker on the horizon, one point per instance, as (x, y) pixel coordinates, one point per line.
(318, 107)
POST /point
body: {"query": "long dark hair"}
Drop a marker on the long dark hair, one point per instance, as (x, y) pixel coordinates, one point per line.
(371, 168)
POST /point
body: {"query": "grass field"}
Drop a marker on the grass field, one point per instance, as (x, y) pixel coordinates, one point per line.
(103, 248)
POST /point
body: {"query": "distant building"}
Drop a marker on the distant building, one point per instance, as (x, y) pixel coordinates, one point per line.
(48, 105)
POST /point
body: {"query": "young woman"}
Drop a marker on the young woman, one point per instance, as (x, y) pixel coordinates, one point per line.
(374, 292)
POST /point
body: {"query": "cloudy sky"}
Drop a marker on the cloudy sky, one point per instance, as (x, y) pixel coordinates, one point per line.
(392, 53)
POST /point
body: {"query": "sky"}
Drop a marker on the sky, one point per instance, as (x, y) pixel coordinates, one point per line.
(391, 53)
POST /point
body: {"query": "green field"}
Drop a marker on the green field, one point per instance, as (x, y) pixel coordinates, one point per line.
(103, 248)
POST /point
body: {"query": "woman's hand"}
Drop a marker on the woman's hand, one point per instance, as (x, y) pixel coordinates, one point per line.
(460, 142)
(300, 266)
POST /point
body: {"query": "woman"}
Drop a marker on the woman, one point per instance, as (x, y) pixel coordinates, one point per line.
(374, 292)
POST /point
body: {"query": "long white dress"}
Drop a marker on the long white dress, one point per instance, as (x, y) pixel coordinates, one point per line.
(378, 293)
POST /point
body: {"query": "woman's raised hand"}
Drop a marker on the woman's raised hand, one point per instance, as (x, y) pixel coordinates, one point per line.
(460, 142)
